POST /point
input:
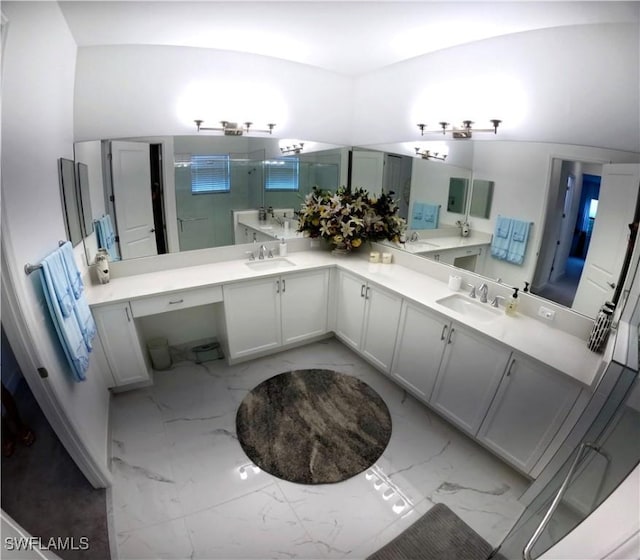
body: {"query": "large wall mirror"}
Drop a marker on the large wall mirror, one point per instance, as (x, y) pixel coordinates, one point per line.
(168, 194)
(527, 181)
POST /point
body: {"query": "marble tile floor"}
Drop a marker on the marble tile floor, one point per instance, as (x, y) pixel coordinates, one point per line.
(183, 487)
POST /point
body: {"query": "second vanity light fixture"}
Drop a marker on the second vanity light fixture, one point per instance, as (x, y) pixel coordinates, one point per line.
(233, 129)
(427, 154)
(290, 150)
(462, 132)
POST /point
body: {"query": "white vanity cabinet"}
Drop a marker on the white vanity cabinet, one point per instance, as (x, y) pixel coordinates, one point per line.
(467, 258)
(421, 339)
(470, 372)
(271, 312)
(531, 404)
(119, 337)
(367, 318)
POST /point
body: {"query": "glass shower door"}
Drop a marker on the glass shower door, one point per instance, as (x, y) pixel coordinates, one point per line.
(609, 451)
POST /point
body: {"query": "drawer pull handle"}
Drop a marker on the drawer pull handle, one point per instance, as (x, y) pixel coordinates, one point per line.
(450, 339)
(366, 293)
(443, 335)
(126, 310)
(510, 367)
(277, 286)
(362, 290)
(176, 302)
(284, 286)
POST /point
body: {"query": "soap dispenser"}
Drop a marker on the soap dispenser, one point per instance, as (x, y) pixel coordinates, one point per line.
(512, 304)
(282, 251)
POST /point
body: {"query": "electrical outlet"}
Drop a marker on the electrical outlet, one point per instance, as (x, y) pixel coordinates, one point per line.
(546, 313)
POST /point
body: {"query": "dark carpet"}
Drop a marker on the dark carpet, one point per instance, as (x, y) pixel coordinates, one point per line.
(438, 535)
(44, 491)
(313, 426)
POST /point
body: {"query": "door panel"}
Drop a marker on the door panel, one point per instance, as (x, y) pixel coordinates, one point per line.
(131, 170)
(616, 209)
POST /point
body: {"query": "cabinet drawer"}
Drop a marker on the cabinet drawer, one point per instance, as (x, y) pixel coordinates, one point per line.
(178, 300)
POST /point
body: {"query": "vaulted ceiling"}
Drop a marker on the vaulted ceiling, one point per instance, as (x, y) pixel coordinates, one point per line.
(351, 38)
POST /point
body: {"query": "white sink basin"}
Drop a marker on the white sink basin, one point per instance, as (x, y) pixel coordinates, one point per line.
(270, 264)
(470, 308)
(419, 246)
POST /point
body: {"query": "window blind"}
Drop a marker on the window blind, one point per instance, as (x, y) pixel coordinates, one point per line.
(282, 175)
(210, 174)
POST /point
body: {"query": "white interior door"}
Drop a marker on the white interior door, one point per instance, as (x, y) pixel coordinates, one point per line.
(131, 170)
(616, 208)
(366, 170)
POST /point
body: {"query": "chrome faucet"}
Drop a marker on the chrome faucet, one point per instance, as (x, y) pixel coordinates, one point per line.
(472, 292)
(484, 290)
(261, 252)
(414, 236)
(495, 302)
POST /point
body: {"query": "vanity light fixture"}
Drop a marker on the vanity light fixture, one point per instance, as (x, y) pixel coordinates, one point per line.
(295, 149)
(462, 132)
(232, 128)
(426, 154)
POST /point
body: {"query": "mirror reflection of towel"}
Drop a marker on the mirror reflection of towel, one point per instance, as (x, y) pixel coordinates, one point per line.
(425, 215)
(510, 240)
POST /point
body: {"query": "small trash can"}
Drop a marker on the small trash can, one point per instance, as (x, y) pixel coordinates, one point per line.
(159, 353)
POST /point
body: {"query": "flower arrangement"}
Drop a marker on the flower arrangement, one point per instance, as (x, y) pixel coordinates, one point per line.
(347, 218)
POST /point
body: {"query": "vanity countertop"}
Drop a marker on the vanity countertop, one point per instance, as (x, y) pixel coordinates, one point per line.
(439, 244)
(560, 350)
(271, 227)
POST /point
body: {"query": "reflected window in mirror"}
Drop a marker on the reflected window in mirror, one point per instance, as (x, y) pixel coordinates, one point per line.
(210, 174)
(481, 197)
(282, 174)
(457, 199)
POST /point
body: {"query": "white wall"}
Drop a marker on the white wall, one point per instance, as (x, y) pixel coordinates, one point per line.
(126, 91)
(575, 84)
(37, 129)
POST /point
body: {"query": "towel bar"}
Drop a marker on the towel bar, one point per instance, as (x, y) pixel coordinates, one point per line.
(29, 268)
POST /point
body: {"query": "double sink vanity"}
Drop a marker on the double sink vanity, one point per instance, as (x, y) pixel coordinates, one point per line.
(514, 384)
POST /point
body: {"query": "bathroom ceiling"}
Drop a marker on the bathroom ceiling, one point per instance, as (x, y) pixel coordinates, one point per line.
(350, 38)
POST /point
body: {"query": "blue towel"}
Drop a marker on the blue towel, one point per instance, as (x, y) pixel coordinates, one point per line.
(59, 285)
(425, 215)
(73, 274)
(518, 244)
(81, 307)
(107, 237)
(67, 326)
(501, 238)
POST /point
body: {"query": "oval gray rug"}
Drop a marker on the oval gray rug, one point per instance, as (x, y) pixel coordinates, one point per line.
(313, 426)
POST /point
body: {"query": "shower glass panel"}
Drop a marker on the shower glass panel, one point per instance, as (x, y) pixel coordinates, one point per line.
(616, 433)
(205, 220)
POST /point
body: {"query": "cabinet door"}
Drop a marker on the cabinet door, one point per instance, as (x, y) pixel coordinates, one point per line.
(471, 369)
(121, 343)
(252, 315)
(529, 408)
(421, 339)
(303, 304)
(350, 309)
(382, 313)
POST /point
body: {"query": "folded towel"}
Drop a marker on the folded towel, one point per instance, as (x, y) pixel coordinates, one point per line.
(67, 326)
(107, 237)
(501, 238)
(73, 274)
(81, 307)
(518, 244)
(425, 215)
(59, 285)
